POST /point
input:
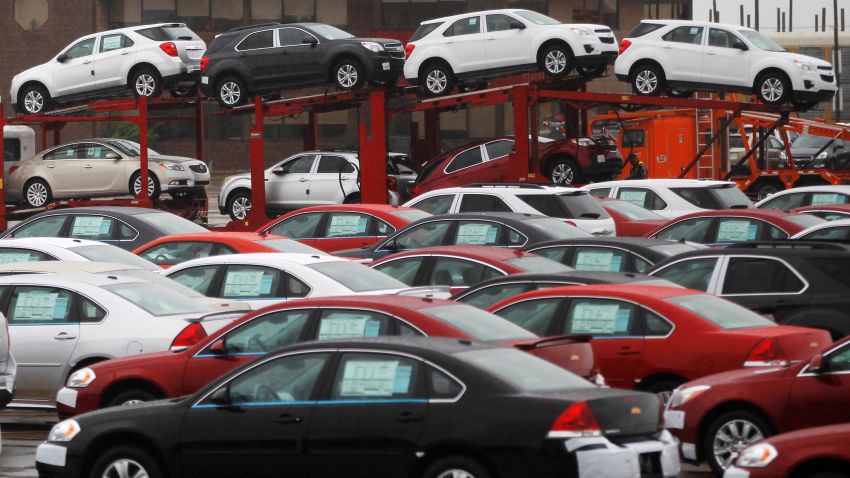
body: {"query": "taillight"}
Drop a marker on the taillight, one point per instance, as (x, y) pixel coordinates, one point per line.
(392, 184)
(13, 169)
(204, 61)
(169, 48)
(408, 49)
(766, 353)
(576, 421)
(189, 336)
(571, 223)
(623, 45)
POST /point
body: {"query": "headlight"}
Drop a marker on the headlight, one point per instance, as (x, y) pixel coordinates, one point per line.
(372, 46)
(81, 378)
(823, 155)
(682, 396)
(757, 456)
(805, 66)
(582, 32)
(585, 142)
(64, 431)
(171, 166)
(782, 155)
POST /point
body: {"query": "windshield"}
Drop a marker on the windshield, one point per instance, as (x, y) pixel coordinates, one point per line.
(129, 148)
(538, 264)
(158, 279)
(810, 141)
(411, 215)
(477, 323)
(721, 312)
(170, 223)
(156, 300)
(555, 228)
(537, 18)
(331, 33)
(730, 197)
(107, 253)
(288, 245)
(356, 276)
(522, 370)
(761, 41)
(632, 211)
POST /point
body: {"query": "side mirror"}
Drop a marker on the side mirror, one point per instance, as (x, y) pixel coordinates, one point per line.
(310, 41)
(816, 363)
(62, 58)
(839, 145)
(517, 26)
(218, 348)
(279, 171)
(221, 396)
(111, 155)
(740, 45)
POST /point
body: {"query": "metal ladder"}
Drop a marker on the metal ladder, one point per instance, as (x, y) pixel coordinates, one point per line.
(705, 130)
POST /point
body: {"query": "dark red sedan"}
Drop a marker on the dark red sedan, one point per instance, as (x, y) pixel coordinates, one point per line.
(152, 376)
(342, 226)
(717, 417)
(727, 226)
(631, 220)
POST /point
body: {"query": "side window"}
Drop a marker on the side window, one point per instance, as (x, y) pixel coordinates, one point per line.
(441, 386)
(465, 26)
(267, 332)
(756, 275)
(334, 165)
(344, 324)
(93, 151)
(826, 234)
(477, 233)
(634, 138)
(13, 255)
(838, 361)
(114, 42)
(50, 226)
(488, 296)
(785, 202)
(600, 192)
(429, 234)
(739, 230)
(405, 330)
(695, 230)
(252, 282)
(40, 305)
(436, 204)
(557, 254)
(347, 225)
(291, 36)
(655, 326)
(693, 273)
(482, 203)
(642, 197)
(721, 38)
(97, 228)
(89, 311)
(460, 272)
(691, 35)
(599, 259)
(498, 23)
(200, 278)
(699, 197)
(602, 317)
(301, 226)
(468, 158)
(126, 233)
(536, 316)
(301, 165)
(404, 270)
(58, 154)
(820, 199)
(498, 149)
(287, 379)
(172, 253)
(641, 265)
(257, 40)
(81, 48)
(366, 376)
(382, 228)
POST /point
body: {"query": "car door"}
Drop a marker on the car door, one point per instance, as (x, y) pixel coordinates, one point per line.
(465, 40)
(288, 183)
(100, 228)
(370, 419)
(261, 57)
(505, 44)
(259, 286)
(335, 178)
(75, 73)
(682, 49)
(765, 285)
(407, 269)
(257, 420)
(103, 170)
(698, 273)
(299, 60)
(497, 159)
(64, 170)
(815, 398)
(43, 330)
(721, 57)
(113, 60)
(698, 229)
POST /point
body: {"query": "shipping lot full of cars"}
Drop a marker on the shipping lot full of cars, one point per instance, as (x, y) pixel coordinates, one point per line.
(591, 319)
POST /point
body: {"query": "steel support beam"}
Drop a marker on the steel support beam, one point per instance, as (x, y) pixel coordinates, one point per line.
(256, 151)
(373, 149)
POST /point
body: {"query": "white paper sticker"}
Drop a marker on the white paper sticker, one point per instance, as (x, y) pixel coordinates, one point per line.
(90, 226)
(598, 261)
(349, 225)
(820, 199)
(369, 378)
(637, 198)
(111, 43)
(14, 257)
(476, 234)
(349, 325)
(247, 284)
(736, 231)
(40, 306)
(594, 318)
(674, 419)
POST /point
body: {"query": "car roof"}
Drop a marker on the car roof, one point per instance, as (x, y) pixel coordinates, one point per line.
(827, 225)
(827, 188)
(766, 214)
(636, 292)
(114, 210)
(787, 248)
(427, 346)
(510, 217)
(508, 189)
(67, 266)
(824, 207)
(697, 23)
(35, 242)
(263, 258)
(137, 27)
(407, 302)
(482, 253)
(666, 183)
(98, 280)
(469, 14)
(367, 208)
(625, 241)
(214, 236)
(592, 277)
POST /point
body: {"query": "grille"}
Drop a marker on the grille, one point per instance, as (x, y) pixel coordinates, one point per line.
(396, 50)
(602, 30)
(198, 168)
(608, 40)
(826, 68)
(201, 183)
(827, 78)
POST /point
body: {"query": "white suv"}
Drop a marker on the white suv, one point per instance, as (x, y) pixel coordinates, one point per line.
(678, 56)
(472, 46)
(572, 205)
(143, 58)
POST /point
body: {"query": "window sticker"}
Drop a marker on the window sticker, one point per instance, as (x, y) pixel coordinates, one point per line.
(350, 225)
(247, 284)
(624, 318)
(476, 234)
(13, 257)
(736, 231)
(40, 306)
(598, 261)
(349, 325)
(638, 198)
(820, 199)
(473, 21)
(111, 43)
(90, 226)
(588, 318)
(369, 378)
(403, 374)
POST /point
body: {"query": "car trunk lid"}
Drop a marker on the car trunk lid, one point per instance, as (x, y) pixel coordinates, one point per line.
(572, 352)
(618, 413)
(783, 344)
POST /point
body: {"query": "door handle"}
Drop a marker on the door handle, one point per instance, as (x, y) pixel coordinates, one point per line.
(287, 419)
(86, 62)
(302, 180)
(51, 166)
(410, 417)
(345, 179)
(710, 53)
(88, 166)
(64, 336)
(628, 351)
(125, 52)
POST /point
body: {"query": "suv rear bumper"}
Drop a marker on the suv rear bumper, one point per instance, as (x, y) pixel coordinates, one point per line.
(604, 58)
(184, 78)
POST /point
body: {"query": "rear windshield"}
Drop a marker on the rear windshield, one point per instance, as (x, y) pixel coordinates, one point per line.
(578, 205)
(731, 197)
(157, 300)
(724, 197)
(424, 30)
(356, 276)
(675, 248)
(166, 33)
(411, 215)
(477, 323)
(805, 220)
(288, 245)
(643, 28)
(538, 264)
(108, 253)
(721, 312)
(170, 223)
(632, 211)
(522, 370)
(555, 228)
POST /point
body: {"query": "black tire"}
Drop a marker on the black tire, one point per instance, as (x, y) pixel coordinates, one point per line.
(353, 198)
(443, 467)
(591, 71)
(33, 99)
(231, 92)
(37, 193)
(767, 188)
(676, 93)
(239, 205)
(146, 81)
(759, 429)
(826, 474)
(348, 75)
(647, 80)
(136, 457)
(564, 172)
(803, 105)
(437, 79)
(132, 396)
(153, 185)
(184, 91)
(556, 60)
(773, 88)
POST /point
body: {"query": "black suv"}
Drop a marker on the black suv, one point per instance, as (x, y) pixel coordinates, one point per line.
(794, 282)
(263, 59)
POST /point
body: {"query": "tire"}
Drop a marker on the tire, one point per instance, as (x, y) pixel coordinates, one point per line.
(453, 466)
(132, 397)
(733, 424)
(33, 99)
(557, 60)
(675, 93)
(353, 198)
(591, 71)
(773, 88)
(37, 193)
(564, 172)
(239, 205)
(647, 80)
(803, 105)
(348, 75)
(437, 79)
(146, 82)
(184, 91)
(767, 188)
(153, 185)
(230, 92)
(136, 459)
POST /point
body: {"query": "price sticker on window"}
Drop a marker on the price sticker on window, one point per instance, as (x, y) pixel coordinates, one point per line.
(594, 319)
(598, 261)
(349, 325)
(369, 378)
(247, 284)
(476, 234)
(90, 226)
(15, 257)
(111, 43)
(820, 199)
(638, 198)
(736, 231)
(40, 306)
(349, 225)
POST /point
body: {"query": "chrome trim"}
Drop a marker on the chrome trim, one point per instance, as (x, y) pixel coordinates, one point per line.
(393, 259)
(722, 277)
(266, 230)
(274, 40)
(444, 219)
(805, 373)
(484, 154)
(605, 246)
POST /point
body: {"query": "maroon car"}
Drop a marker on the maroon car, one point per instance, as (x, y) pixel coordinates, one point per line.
(564, 162)
(631, 220)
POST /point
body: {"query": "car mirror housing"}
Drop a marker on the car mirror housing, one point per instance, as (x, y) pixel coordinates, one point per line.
(816, 364)
(517, 26)
(62, 58)
(221, 396)
(218, 348)
(310, 41)
(112, 156)
(279, 171)
(740, 45)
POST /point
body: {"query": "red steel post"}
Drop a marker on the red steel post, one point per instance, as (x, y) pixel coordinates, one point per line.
(373, 150)
(256, 146)
(2, 178)
(518, 161)
(311, 132)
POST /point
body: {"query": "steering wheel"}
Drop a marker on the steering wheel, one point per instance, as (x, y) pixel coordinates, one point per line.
(264, 393)
(161, 259)
(255, 345)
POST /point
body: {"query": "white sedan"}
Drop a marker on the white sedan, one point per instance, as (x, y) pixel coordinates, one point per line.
(37, 249)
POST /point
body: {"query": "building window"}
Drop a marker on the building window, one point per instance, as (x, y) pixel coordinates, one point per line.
(667, 9)
(410, 13)
(596, 11)
(286, 11)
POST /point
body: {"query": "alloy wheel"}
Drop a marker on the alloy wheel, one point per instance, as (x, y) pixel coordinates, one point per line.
(646, 82)
(563, 174)
(555, 62)
(145, 84)
(230, 93)
(240, 208)
(772, 89)
(33, 101)
(732, 438)
(137, 185)
(347, 75)
(37, 194)
(455, 473)
(134, 401)
(436, 81)
(124, 468)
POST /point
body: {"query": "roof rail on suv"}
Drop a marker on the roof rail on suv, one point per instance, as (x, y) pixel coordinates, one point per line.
(792, 244)
(506, 185)
(258, 25)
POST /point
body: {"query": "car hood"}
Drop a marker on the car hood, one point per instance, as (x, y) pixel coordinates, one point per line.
(805, 151)
(173, 159)
(109, 366)
(107, 418)
(734, 378)
(805, 59)
(380, 41)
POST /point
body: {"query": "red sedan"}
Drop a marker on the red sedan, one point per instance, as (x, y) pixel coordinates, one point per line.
(631, 220)
(342, 226)
(828, 212)
(655, 338)
(151, 376)
(728, 226)
(170, 250)
(811, 453)
(716, 417)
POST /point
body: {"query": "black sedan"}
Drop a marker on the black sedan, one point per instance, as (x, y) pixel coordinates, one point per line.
(502, 229)
(401, 407)
(125, 227)
(611, 254)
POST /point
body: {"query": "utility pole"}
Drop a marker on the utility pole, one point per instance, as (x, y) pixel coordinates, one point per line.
(757, 15)
(837, 57)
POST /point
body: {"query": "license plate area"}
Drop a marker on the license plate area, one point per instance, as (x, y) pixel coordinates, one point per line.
(650, 465)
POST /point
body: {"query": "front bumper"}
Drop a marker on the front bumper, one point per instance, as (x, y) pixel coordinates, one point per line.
(71, 402)
(819, 95)
(601, 58)
(52, 460)
(597, 457)
(735, 472)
